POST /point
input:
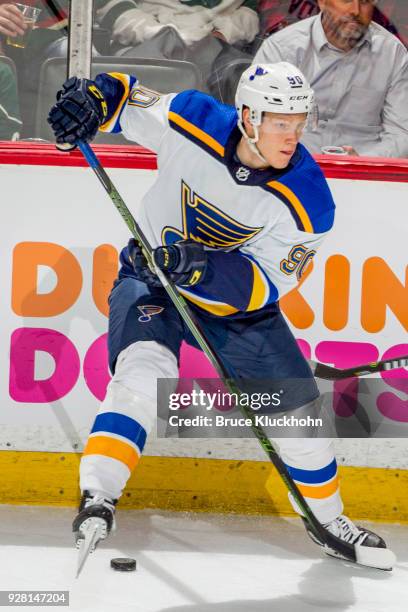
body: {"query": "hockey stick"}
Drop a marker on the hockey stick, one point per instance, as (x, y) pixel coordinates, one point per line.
(320, 370)
(351, 552)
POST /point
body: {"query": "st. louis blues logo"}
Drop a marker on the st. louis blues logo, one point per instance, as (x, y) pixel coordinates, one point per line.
(148, 311)
(258, 72)
(205, 223)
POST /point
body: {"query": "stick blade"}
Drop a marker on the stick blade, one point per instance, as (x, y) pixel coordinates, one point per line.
(379, 558)
(368, 556)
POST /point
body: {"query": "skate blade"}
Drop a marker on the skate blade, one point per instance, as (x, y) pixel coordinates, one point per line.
(95, 529)
(377, 558)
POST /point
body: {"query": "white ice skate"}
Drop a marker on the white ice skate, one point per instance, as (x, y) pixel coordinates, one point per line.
(370, 548)
(94, 521)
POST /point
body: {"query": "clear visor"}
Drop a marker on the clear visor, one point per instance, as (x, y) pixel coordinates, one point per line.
(285, 124)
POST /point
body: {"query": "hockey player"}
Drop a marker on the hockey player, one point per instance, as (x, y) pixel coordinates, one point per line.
(235, 216)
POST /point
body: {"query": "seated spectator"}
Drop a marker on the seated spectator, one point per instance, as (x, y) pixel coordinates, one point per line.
(11, 25)
(230, 20)
(275, 15)
(199, 31)
(194, 30)
(359, 73)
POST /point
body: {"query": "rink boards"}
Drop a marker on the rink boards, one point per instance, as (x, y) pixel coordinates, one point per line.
(59, 248)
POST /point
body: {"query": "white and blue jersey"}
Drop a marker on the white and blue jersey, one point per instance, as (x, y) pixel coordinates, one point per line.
(261, 227)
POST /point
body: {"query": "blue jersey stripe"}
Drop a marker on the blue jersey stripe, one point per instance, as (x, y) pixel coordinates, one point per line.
(314, 476)
(121, 425)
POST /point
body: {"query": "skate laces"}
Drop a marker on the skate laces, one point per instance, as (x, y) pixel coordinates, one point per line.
(99, 500)
(344, 528)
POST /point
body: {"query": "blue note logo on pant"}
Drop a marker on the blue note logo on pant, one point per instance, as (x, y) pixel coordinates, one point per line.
(148, 311)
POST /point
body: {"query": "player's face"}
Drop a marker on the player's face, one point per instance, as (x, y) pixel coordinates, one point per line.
(346, 21)
(279, 136)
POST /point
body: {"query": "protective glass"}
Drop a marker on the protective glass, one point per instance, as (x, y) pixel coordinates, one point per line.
(313, 119)
(29, 37)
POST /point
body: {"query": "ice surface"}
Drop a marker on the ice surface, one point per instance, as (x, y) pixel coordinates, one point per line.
(196, 563)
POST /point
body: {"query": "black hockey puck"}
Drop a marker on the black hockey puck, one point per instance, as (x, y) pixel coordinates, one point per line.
(123, 564)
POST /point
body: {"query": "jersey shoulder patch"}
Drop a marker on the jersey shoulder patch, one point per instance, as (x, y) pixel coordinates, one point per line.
(305, 192)
(203, 120)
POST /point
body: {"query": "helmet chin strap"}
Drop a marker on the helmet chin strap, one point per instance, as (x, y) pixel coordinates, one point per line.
(252, 141)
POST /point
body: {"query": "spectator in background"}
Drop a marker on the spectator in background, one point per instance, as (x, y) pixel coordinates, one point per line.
(200, 31)
(359, 73)
(129, 23)
(11, 24)
(194, 30)
(231, 20)
(275, 15)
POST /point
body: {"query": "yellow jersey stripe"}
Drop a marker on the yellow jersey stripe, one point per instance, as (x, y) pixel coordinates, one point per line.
(221, 310)
(124, 79)
(111, 447)
(319, 492)
(258, 290)
(215, 239)
(248, 231)
(213, 229)
(246, 235)
(196, 132)
(296, 203)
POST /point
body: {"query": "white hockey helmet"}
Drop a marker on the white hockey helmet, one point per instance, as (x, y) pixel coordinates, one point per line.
(273, 88)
